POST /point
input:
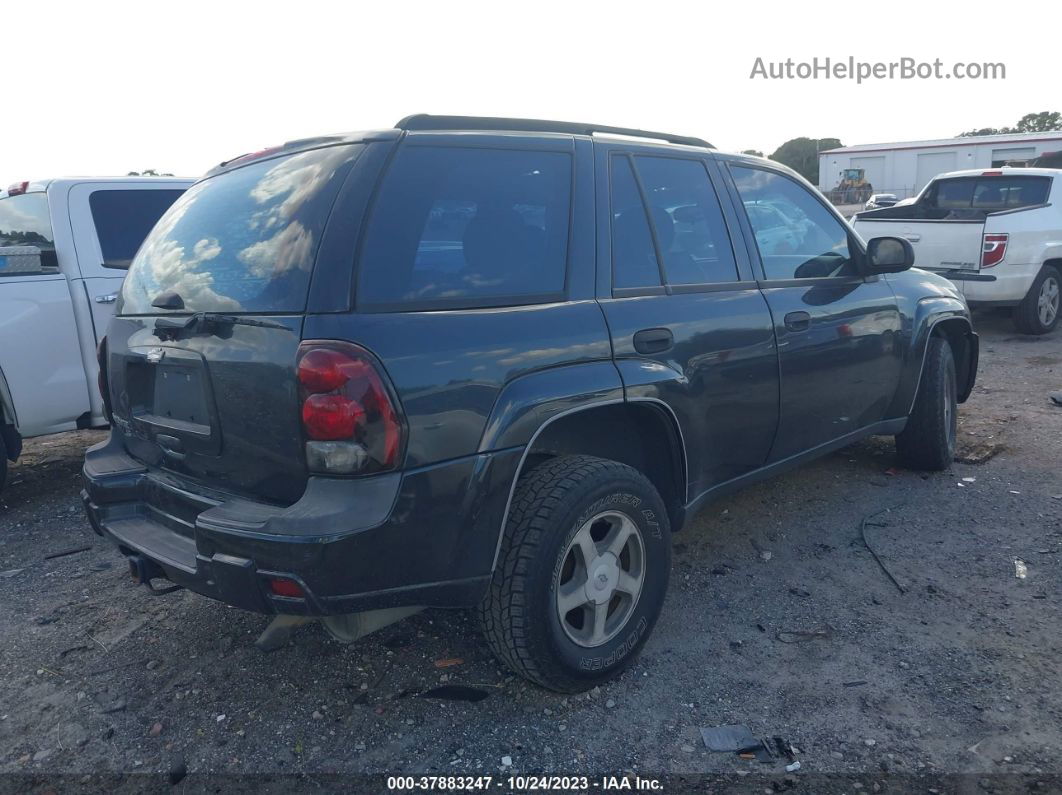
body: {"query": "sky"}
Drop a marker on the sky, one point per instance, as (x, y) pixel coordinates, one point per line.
(106, 88)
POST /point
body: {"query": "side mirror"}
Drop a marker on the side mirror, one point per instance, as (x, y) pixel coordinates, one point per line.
(20, 260)
(889, 255)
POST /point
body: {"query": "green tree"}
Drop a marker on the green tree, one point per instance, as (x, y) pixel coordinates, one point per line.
(754, 152)
(148, 172)
(1045, 121)
(802, 155)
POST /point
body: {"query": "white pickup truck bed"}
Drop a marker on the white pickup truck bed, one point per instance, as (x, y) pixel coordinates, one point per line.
(997, 234)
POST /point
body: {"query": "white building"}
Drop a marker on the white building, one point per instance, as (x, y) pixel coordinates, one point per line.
(904, 168)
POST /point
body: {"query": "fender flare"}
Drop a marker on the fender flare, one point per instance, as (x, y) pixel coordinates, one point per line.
(929, 313)
(528, 405)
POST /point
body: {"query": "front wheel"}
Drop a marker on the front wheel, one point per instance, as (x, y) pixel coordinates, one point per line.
(581, 574)
(1039, 310)
(928, 441)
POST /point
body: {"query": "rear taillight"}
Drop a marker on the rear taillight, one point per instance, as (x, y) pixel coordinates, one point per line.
(101, 377)
(17, 189)
(993, 249)
(349, 415)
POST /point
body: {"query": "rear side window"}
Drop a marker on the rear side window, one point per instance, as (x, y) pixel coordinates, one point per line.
(243, 241)
(988, 193)
(123, 219)
(24, 222)
(467, 227)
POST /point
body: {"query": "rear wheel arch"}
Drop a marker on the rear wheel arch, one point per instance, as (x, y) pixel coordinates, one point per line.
(958, 332)
(644, 434)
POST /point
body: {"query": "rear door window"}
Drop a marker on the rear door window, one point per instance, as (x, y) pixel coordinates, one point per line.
(24, 221)
(123, 219)
(467, 227)
(244, 240)
(689, 225)
(634, 261)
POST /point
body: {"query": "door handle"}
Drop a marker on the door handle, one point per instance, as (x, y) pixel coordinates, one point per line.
(910, 236)
(653, 340)
(798, 321)
(110, 298)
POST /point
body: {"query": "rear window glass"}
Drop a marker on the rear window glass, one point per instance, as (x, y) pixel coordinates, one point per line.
(989, 193)
(243, 241)
(24, 222)
(124, 217)
(467, 227)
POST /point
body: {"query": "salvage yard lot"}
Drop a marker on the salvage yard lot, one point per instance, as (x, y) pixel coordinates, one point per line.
(778, 617)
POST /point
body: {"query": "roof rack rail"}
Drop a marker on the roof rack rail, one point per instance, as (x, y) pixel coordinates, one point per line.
(424, 121)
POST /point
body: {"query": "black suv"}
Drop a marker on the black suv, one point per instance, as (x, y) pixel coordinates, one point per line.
(496, 363)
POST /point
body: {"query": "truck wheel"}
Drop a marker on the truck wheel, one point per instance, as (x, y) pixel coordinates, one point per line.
(581, 574)
(928, 441)
(1039, 310)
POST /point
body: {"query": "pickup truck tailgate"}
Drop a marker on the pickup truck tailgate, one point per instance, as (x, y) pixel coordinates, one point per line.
(938, 245)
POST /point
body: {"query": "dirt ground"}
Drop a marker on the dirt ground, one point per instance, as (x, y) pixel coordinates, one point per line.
(778, 617)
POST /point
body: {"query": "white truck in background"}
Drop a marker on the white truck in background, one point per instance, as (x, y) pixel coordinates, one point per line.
(64, 247)
(997, 233)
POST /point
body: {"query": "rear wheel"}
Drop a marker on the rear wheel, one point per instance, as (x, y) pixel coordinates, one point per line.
(1039, 311)
(581, 574)
(928, 441)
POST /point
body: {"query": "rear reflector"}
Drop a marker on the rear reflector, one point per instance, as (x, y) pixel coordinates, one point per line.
(993, 249)
(283, 587)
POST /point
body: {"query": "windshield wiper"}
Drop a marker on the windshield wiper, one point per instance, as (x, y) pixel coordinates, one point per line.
(208, 323)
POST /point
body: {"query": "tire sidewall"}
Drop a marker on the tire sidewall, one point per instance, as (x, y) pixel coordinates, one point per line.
(645, 509)
(1048, 273)
(948, 389)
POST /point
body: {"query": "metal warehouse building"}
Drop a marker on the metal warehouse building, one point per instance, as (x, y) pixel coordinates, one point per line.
(904, 168)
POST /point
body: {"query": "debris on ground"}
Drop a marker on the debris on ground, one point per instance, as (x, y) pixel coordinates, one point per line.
(1056, 398)
(62, 553)
(729, 739)
(863, 532)
(977, 453)
(739, 739)
(455, 693)
(1021, 571)
(803, 636)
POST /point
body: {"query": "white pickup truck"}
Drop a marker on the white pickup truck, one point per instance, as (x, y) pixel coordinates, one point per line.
(64, 247)
(996, 233)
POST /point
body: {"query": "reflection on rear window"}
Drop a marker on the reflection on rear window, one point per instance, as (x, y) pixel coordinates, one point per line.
(243, 241)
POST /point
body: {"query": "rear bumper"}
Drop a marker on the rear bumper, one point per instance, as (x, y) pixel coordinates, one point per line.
(421, 537)
(1009, 287)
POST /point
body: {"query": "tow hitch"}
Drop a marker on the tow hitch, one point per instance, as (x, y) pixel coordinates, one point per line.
(143, 571)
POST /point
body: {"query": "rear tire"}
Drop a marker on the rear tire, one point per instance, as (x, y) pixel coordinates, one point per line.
(1039, 311)
(928, 441)
(581, 574)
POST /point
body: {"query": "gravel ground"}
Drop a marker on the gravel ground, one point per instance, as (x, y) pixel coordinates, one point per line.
(778, 617)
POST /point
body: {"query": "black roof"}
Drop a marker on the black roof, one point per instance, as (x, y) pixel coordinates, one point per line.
(424, 121)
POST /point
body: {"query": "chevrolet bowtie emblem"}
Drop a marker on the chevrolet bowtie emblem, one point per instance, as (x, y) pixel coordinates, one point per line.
(155, 355)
